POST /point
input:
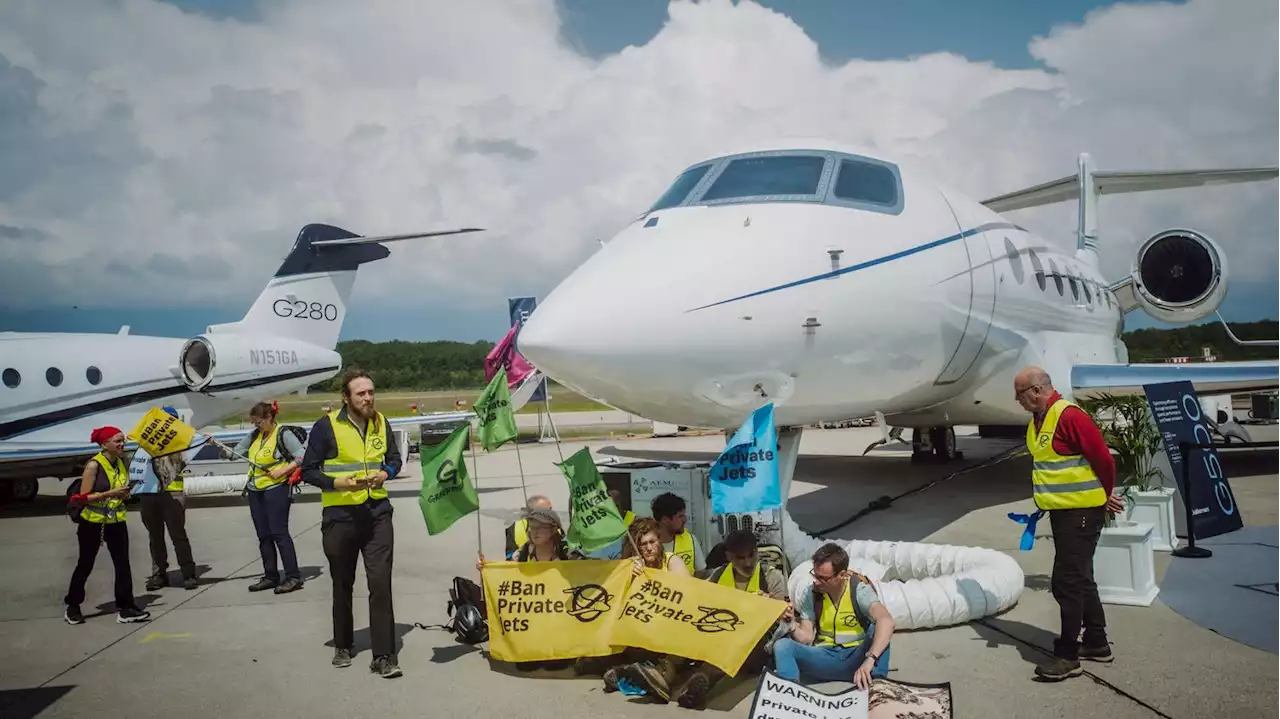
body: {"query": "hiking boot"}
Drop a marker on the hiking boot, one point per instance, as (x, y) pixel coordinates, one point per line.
(72, 614)
(651, 678)
(156, 581)
(693, 693)
(342, 658)
(292, 584)
(385, 667)
(611, 677)
(1097, 654)
(264, 583)
(1057, 669)
(190, 583)
(131, 615)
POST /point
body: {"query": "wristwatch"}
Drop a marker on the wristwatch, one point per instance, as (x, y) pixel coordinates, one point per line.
(873, 657)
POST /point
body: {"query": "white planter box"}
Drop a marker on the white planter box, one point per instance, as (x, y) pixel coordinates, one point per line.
(1124, 564)
(1155, 508)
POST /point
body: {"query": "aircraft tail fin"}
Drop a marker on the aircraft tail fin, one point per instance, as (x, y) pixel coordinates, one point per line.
(1088, 184)
(307, 298)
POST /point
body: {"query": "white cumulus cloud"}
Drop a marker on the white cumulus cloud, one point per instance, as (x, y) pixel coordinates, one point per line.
(183, 153)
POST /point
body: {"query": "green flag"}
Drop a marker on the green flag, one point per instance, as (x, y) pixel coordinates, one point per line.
(497, 421)
(447, 494)
(595, 520)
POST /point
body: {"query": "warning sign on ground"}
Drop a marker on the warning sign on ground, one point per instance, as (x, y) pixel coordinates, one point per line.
(778, 698)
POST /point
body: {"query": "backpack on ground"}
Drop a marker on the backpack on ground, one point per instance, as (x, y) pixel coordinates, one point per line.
(467, 607)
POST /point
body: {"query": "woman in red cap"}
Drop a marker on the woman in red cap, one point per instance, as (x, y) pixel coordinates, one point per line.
(103, 488)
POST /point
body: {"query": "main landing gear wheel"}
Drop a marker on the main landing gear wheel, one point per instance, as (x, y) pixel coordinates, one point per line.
(937, 443)
(24, 490)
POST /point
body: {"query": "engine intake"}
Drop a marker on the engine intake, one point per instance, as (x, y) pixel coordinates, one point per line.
(243, 362)
(1179, 276)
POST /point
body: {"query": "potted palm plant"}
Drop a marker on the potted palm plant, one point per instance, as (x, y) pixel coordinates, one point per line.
(1124, 563)
(1131, 434)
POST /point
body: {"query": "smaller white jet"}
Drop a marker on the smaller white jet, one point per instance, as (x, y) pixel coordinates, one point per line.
(56, 387)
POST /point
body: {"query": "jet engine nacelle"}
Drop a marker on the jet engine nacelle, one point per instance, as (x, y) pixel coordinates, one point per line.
(1179, 276)
(219, 363)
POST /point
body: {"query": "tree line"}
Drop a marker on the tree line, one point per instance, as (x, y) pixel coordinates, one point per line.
(445, 365)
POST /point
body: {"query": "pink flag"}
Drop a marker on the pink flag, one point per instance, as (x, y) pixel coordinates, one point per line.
(504, 354)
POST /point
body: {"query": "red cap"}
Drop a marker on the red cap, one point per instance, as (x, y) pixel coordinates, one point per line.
(102, 434)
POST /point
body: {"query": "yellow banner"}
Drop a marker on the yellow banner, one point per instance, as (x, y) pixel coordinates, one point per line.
(694, 619)
(552, 610)
(159, 433)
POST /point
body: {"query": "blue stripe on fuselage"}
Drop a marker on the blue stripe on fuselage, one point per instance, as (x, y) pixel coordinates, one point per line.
(870, 263)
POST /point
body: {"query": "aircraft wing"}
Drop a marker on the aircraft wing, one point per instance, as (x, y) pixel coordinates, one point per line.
(1092, 380)
(230, 437)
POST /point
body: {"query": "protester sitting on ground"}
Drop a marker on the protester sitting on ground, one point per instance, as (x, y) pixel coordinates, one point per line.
(843, 631)
(744, 571)
(546, 544)
(642, 535)
(518, 533)
(669, 511)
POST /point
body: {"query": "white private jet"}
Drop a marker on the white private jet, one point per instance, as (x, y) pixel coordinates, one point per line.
(839, 284)
(56, 387)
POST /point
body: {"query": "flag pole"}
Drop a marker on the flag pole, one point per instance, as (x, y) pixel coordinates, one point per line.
(546, 398)
(520, 463)
(475, 479)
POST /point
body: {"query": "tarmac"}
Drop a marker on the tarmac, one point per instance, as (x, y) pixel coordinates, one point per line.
(220, 651)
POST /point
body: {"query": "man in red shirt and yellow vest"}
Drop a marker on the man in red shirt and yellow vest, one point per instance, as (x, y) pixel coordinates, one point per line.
(1072, 479)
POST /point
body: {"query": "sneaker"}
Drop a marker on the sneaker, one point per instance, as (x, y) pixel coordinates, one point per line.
(292, 584)
(264, 583)
(131, 615)
(342, 658)
(1057, 669)
(386, 667)
(1097, 654)
(190, 583)
(156, 581)
(72, 614)
(649, 678)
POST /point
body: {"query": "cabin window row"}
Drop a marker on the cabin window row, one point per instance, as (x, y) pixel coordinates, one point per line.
(12, 377)
(1077, 284)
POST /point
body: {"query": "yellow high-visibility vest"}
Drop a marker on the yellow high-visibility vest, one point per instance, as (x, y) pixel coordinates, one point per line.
(682, 546)
(1060, 481)
(728, 579)
(629, 517)
(356, 457)
(521, 532)
(108, 511)
(839, 625)
(263, 453)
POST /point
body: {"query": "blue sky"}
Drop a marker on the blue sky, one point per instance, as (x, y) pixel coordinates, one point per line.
(994, 31)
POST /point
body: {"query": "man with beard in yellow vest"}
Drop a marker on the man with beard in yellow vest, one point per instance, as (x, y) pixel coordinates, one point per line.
(350, 454)
(669, 511)
(1072, 479)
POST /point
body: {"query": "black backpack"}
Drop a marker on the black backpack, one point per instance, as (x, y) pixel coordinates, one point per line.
(467, 607)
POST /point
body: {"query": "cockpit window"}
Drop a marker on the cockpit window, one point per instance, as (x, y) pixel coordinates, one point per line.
(786, 175)
(866, 182)
(681, 188)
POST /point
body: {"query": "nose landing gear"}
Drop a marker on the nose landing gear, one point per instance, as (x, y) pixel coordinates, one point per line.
(936, 443)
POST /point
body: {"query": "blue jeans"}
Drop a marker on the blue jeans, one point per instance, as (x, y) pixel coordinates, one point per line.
(270, 511)
(825, 663)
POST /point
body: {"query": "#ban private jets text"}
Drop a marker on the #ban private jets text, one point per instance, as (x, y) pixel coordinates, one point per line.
(837, 285)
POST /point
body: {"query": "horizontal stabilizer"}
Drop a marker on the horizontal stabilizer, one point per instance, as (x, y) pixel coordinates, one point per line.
(392, 238)
(1114, 183)
(1092, 380)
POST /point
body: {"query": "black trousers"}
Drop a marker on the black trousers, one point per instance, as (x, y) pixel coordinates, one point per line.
(1075, 537)
(374, 538)
(270, 511)
(167, 510)
(91, 536)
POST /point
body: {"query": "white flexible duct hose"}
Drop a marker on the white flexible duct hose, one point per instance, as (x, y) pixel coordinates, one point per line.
(922, 585)
(213, 484)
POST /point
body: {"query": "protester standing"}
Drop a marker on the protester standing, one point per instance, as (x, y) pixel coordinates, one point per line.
(104, 486)
(273, 455)
(1072, 479)
(165, 508)
(350, 454)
